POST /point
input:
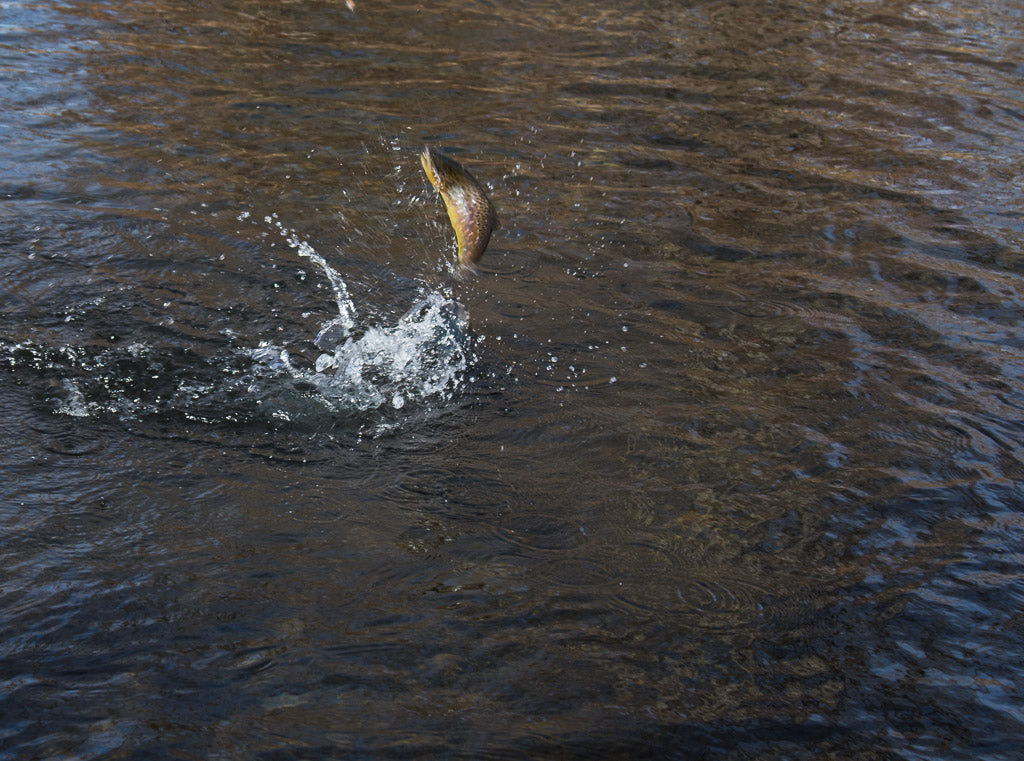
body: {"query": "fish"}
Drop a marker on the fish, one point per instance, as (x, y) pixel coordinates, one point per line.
(470, 211)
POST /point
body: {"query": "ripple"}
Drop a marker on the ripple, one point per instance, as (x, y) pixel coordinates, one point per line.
(645, 579)
(454, 489)
(541, 533)
(518, 309)
(701, 600)
(74, 444)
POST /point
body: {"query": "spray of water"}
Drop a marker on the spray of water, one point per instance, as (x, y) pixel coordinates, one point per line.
(378, 373)
(421, 359)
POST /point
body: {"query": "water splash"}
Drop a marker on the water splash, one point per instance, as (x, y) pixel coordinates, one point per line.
(379, 374)
(419, 360)
(341, 326)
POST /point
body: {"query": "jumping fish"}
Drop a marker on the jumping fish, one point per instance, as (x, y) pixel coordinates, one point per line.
(469, 209)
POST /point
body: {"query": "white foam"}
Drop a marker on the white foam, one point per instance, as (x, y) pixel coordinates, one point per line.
(420, 359)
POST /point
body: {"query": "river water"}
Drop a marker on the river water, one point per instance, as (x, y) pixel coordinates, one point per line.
(718, 457)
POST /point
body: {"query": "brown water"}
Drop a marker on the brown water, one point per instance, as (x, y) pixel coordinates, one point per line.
(719, 458)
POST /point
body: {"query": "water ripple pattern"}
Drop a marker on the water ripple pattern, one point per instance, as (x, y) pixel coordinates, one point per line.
(717, 456)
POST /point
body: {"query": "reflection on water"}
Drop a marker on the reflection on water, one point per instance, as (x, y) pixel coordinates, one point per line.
(718, 457)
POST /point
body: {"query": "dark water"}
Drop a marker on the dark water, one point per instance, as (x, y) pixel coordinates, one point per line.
(720, 457)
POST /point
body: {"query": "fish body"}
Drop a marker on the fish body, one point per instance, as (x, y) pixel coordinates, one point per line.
(469, 209)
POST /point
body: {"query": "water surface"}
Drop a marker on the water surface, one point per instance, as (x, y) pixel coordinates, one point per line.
(717, 458)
